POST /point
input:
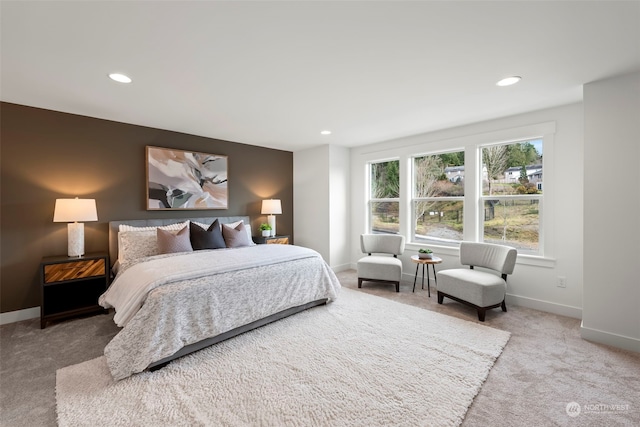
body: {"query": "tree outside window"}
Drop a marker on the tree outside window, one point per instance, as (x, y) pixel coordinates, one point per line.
(384, 197)
(438, 197)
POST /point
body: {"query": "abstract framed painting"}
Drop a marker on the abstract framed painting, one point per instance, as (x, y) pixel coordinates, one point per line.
(178, 179)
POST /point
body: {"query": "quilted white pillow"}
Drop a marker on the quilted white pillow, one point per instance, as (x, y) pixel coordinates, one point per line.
(133, 245)
(178, 226)
(140, 242)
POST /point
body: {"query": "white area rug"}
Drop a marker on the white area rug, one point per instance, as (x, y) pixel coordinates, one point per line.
(361, 361)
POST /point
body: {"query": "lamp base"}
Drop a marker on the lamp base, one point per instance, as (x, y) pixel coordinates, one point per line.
(75, 237)
(272, 222)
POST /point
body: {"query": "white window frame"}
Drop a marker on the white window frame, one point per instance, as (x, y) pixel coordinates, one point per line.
(414, 199)
(482, 198)
(371, 199)
(404, 150)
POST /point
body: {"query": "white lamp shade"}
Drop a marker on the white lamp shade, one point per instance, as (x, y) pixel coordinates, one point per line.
(271, 207)
(72, 210)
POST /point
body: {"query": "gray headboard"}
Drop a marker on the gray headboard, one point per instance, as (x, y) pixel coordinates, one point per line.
(114, 226)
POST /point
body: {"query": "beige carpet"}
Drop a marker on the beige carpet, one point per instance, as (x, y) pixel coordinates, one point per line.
(362, 360)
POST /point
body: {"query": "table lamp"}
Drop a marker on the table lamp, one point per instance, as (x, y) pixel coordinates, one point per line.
(272, 207)
(72, 211)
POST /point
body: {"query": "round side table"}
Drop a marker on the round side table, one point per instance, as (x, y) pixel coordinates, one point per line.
(428, 262)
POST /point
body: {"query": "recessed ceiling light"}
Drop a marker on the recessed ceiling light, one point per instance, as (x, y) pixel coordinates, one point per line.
(509, 81)
(326, 132)
(121, 78)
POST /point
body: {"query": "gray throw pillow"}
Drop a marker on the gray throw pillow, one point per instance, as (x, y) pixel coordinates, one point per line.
(210, 238)
(170, 242)
(235, 237)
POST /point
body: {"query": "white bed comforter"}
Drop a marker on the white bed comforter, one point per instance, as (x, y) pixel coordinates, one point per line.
(165, 303)
(130, 289)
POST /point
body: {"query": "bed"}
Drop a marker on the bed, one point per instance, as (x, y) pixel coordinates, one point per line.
(170, 305)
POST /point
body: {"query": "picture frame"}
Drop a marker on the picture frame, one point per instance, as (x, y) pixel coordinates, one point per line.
(185, 180)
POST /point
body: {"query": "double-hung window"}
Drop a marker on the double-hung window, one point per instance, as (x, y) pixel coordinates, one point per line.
(384, 197)
(511, 194)
(438, 198)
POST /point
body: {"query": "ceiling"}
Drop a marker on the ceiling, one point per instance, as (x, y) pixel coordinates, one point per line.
(275, 74)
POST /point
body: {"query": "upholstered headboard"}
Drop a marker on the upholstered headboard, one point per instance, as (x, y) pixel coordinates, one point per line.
(114, 226)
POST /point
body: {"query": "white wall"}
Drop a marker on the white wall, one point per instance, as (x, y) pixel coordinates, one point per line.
(534, 282)
(311, 213)
(321, 202)
(339, 162)
(611, 313)
(595, 149)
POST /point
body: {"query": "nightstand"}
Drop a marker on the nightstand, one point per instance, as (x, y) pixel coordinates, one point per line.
(280, 240)
(71, 285)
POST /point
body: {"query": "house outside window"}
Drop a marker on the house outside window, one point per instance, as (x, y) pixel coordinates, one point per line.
(438, 198)
(384, 197)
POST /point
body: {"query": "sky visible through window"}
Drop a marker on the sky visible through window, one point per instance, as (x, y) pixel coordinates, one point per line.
(537, 143)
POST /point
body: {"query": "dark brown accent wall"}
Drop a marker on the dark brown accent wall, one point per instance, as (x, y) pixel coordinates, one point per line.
(47, 155)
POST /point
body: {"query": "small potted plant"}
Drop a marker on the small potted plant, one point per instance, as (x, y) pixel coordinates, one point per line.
(266, 230)
(425, 253)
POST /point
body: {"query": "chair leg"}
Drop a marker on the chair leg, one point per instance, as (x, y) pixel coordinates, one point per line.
(504, 305)
(481, 313)
(359, 282)
(440, 298)
(397, 286)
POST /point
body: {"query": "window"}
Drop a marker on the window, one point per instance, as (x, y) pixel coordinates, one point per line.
(512, 194)
(477, 187)
(438, 197)
(384, 197)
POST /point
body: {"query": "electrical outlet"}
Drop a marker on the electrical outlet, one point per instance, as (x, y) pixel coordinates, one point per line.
(562, 282)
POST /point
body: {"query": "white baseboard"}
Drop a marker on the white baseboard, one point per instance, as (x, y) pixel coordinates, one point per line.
(342, 267)
(609, 338)
(19, 315)
(546, 306)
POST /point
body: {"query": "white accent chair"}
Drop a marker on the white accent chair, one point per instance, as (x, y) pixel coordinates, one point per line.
(479, 289)
(384, 266)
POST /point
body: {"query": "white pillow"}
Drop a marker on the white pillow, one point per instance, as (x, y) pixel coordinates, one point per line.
(177, 227)
(140, 242)
(247, 228)
(133, 245)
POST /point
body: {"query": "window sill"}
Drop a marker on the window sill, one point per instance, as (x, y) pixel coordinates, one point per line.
(439, 249)
(523, 259)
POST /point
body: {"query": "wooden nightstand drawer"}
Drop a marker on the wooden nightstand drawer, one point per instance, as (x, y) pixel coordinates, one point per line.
(278, 240)
(74, 270)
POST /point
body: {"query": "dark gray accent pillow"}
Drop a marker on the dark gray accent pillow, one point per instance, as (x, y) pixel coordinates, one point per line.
(235, 237)
(210, 238)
